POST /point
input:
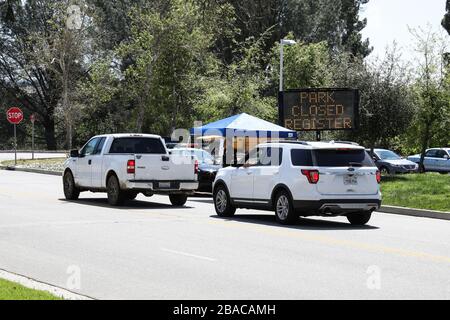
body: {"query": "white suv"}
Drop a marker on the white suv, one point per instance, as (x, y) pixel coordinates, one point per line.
(301, 179)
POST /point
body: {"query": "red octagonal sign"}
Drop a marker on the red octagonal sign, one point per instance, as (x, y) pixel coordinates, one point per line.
(14, 115)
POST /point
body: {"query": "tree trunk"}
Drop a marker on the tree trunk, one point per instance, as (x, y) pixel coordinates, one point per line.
(50, 139)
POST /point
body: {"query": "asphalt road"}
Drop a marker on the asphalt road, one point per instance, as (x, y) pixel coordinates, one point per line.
(28, 155)
(150, 250)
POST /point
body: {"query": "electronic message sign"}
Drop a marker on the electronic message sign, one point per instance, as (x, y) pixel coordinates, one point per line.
(319, 109)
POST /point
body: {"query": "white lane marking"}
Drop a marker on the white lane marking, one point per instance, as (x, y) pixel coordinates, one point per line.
(188, 254)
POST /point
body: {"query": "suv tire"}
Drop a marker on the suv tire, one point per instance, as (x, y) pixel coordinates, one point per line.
(360, 218)
(178, 199)
(222, 202)
(71, 192)
(116, 197)
(284, 210)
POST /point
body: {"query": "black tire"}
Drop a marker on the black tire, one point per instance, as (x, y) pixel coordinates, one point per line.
(222, 202)
(71, 192)
(131, 195)
(116, 197)
(359, 218)
(178, 199)
(385, 171)
(284, 209)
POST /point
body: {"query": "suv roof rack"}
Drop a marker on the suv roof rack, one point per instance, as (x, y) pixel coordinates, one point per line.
(344, 142)
(288, 141)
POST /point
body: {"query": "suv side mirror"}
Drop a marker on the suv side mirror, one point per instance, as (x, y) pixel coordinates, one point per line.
(447, 157)
(74, 154)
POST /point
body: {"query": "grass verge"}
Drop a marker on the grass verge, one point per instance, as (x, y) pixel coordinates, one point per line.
(422, 191)
(13, 291)
(51, 164)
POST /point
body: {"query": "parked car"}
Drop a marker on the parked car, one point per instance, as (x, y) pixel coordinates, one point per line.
(301, 179)
(391, 163)
(124, 165)
(436, 160)
(207, 167)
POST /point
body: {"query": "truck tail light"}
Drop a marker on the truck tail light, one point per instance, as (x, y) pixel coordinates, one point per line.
(378, 175)
(196, 167)
(131, 166)
(312, 175)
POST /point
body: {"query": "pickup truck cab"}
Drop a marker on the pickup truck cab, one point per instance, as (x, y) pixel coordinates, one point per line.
(124, 165)
(301, 179)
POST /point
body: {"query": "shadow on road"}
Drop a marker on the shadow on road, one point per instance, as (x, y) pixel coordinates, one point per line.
(128, 205)
(302, 224)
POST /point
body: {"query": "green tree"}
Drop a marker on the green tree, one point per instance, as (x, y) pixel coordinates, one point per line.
(446, 20)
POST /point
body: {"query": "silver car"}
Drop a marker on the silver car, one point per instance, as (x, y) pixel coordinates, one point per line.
(391, 163)
(436, 160)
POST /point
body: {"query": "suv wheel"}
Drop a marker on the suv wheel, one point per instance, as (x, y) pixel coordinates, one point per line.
(116, 197)
(178, 199)
(284, 210)
(222, 203)
(71, 192)
(359, 218)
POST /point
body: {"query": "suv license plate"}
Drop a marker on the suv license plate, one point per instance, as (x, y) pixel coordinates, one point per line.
(350, 180)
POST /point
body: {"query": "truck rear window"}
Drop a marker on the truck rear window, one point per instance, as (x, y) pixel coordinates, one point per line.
(342, 158)
(137, 145)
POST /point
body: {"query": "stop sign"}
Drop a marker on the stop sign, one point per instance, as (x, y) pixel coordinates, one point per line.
(14, 115)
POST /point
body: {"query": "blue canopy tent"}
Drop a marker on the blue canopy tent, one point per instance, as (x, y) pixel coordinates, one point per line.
(244, 125)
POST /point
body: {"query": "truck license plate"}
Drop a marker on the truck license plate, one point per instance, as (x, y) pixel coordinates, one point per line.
(350, 180)
(164, 185)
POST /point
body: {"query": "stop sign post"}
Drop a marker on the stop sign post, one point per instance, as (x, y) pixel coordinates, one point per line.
(14, 116)
(32, 119)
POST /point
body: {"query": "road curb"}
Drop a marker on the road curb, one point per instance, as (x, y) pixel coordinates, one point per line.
(416, 212)
(42, 286)
(31, 170)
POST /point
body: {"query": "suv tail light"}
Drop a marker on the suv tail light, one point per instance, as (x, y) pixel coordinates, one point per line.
(312, 175)
(196, 167)
(378, 174)
(131, 166)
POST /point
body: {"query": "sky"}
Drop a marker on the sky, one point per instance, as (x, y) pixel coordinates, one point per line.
(388, 20)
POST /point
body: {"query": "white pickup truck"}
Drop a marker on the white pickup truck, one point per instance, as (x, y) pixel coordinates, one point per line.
(124, 165)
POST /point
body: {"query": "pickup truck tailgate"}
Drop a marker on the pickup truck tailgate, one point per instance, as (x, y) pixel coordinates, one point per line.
(157, 167)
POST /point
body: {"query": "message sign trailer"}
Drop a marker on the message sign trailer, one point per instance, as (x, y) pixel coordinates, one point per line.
(15, 116)
(319, 109)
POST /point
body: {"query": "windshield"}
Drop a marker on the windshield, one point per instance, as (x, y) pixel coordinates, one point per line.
(387, 155)
(201, 155)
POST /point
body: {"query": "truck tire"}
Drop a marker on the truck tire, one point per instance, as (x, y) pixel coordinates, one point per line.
(178, 199)
(284, 210)
(360, 218)
(71, 192)
(116, 197)
(222, 202)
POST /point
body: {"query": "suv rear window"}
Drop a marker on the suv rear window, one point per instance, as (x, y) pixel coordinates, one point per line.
(137, 145)
(301, 157)
(342, 158)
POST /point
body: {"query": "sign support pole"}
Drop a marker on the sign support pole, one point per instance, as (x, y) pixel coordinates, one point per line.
(15, 146)
(32, 141)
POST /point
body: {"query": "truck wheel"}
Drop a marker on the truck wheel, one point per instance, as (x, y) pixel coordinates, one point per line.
(360, 218)
(178, 199)
(284, 210)
(116, 197)
(71, 192)
(222, 203)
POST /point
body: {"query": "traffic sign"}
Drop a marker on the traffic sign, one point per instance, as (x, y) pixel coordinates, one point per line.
(14, 115)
